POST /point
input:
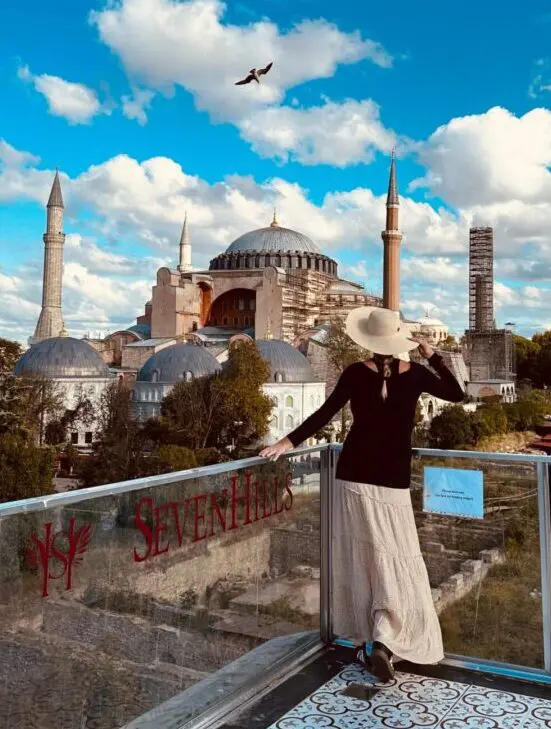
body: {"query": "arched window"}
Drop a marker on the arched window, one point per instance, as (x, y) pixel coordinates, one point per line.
(155, 376)
(289, 422)
(188, 376)
(289, 403)
(278, 377)
(274, 423)
(430, 409)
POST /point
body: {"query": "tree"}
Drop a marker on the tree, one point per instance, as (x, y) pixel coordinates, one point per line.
(227, 409)
(246, 408)
(450, 343)
(117, 453)
(453, 428)
(82, 414)
(10, 405)
(525, 414)
(492, 420)
(190, 414)
(534, 359)
(342, 352)
(168, 458)
(26, 470)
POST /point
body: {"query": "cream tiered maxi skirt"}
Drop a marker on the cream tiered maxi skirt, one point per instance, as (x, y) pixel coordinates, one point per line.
(381, 589)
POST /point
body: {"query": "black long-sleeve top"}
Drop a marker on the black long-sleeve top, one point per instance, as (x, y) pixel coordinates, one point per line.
(377, 450)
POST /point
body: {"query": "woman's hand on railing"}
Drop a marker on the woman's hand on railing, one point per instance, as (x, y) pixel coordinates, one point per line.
(276, 450)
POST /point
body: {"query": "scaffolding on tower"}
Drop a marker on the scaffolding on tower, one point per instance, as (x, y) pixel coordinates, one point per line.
(481, 279)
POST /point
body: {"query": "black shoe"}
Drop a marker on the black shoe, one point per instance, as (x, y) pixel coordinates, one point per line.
(381, 664)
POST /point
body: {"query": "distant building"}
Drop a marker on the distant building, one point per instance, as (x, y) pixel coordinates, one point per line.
(489, 352)
(432, 329)
(50, 323)
(170, 365)
(489, 389)
(291, 383)
(77, 370)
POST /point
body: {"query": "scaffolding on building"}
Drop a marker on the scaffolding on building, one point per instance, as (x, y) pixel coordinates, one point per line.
(481, 279)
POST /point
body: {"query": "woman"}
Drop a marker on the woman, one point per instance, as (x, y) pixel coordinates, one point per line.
(381, 588)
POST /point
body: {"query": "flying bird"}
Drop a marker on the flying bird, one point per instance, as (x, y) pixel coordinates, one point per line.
(254, 75)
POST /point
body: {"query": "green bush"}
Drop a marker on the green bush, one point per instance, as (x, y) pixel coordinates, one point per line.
(26, 470)
(454, 428)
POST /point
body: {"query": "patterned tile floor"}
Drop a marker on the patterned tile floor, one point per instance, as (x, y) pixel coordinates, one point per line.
(413, 701)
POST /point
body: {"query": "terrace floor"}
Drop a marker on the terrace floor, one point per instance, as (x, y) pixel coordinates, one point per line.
(334, 692)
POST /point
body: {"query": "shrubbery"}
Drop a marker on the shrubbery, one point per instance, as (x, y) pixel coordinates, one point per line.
(455, 428)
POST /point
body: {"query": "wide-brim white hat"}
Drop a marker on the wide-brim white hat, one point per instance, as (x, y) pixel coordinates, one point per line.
(379, 330)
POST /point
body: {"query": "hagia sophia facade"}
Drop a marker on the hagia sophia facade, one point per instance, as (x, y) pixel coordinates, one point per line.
(273, 285)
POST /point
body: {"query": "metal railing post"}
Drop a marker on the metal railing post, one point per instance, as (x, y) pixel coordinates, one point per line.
(544, 504)
(327, 482)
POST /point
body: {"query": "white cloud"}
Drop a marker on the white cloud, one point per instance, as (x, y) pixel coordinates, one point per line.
(134, 106)
(436, 269)
(73, 101)
(490, 159)
(86, 252)
(336, 134)
(166, 43)
(125, 201)
(11, 157)
(163, 44)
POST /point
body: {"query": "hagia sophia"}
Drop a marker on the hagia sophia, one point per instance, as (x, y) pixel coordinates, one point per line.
(273, 285)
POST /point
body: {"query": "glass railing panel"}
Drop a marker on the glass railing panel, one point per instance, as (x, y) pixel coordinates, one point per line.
(113, 605)
(485, 572)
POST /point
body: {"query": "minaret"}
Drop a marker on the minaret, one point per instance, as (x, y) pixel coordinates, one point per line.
(392, 239)
(50, 323)
(185, 249)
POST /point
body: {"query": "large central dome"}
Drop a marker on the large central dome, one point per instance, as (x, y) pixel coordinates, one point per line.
(274, 246)
(273, 239)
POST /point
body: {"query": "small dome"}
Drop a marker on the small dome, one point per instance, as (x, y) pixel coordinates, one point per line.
(427, 321)
(62, 357)
(273, 239)
(178, 362)
(287, 364)
(143, 331)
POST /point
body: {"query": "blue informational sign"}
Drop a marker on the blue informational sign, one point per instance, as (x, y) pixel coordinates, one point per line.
(454, 492)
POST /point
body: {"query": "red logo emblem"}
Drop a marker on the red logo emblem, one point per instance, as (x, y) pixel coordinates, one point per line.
(58, 553)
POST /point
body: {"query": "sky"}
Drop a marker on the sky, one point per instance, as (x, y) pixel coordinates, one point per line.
(134, 101)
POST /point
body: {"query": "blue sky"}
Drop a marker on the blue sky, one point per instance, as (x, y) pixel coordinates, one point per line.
(460, 89)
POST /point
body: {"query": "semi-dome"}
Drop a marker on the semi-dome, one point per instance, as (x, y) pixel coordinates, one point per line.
(272, 239)
(62, 357)
(287, 364)
(179, 362)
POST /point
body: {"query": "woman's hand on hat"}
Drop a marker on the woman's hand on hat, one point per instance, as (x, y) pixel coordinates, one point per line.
(425, 349)
(276, 450)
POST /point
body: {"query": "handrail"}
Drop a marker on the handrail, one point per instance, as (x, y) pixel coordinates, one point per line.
(51, 501)
(527, 458)
(41, 503)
